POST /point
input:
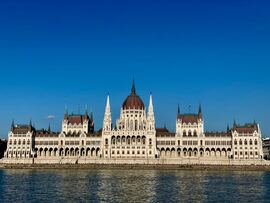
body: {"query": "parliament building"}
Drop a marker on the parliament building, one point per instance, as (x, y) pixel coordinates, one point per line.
(134, 139)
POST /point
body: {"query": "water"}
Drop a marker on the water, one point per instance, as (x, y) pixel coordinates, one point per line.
(27, 185)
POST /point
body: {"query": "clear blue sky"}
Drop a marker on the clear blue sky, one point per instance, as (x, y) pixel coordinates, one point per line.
(57, 53)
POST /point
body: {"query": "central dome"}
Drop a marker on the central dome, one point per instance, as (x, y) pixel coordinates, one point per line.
(133, 101)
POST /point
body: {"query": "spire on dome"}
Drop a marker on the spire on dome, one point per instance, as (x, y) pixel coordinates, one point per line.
(133, 89)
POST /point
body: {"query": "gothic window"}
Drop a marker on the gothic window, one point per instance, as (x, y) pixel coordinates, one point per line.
(189, 133)
(128, 140)
(184, 133)
(106, 141)
(138, 140)
(235, 142)
(250, 142)
(19, 142)
(136, 125)
(118, 140)
(133, 140)
(255, 142)
(150, 141)
(245, 142)
(240, 142)
(113, 140)
(123, 139)
(10, 142)
(143, 141)
(195, 133)
(23, 142)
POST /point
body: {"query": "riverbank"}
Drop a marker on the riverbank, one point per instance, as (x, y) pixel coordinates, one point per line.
(138, 167)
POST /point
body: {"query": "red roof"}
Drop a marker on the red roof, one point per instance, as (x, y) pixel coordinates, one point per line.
(188, 118)
(247, 128)
(133, 101)
(76, 119)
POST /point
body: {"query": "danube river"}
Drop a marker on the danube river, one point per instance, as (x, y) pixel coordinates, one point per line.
(52, 185)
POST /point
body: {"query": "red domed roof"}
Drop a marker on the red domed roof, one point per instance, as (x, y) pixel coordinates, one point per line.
(133, 101)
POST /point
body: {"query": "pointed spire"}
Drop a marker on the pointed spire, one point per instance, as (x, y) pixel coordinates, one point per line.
(178, 110)
(86, 110)
(12, 125)
(150, 107)
(228, 128)
(30, 122)
(133, 90)
(49, 128)
(108, 107)
(234, 123)
(91, 117)
(200, 111)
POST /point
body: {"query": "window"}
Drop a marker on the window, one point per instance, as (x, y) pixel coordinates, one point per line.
(195, 133)
(189, 133)
(184, 133)
(245, 142)
(235, 142)
(150, 141)
(250, 142)
(106, 141)
(255, 142)
(240, 142)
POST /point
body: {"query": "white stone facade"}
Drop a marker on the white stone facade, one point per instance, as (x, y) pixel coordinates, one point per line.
(134, 139)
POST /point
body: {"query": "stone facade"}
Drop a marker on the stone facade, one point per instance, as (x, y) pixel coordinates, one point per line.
(135, 139)
(266, 148)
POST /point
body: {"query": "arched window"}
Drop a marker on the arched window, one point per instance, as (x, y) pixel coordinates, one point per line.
(255, 142)
(150, 141)
(136, 125)
(133, 140)
(23, 142)
(15, 141)
(240, 142)
(113, 140)
(235, 142)
(195, 133)
(189, 133)
(10, 142)
(138, 139)
(19, 142)
(128, 140)
(106, 141)
(184, 133)
(250, 142)
(143, 141)
(118, 140)
(245, 142)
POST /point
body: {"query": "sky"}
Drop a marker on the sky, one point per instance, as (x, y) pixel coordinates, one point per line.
(55, 54)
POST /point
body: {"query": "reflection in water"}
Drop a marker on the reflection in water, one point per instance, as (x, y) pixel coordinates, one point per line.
(133, 186)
